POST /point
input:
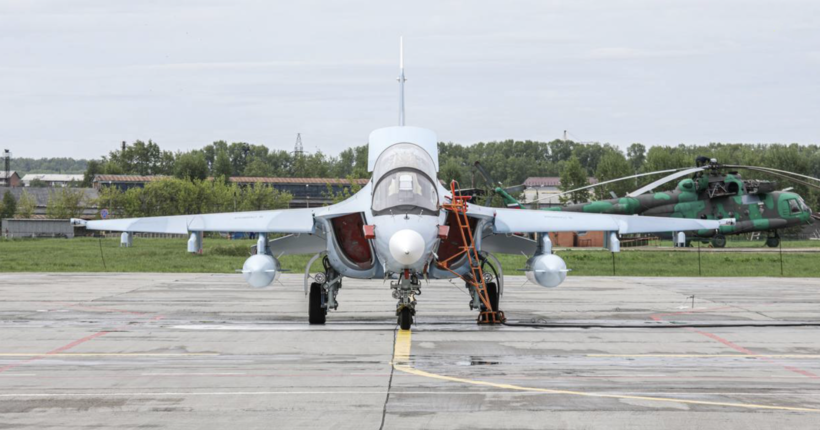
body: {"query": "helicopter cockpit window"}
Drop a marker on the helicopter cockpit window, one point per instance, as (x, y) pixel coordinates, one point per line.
(794, 207)
(405, 191)
(803, 205)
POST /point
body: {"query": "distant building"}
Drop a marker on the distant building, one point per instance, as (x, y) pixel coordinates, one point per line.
(545, 189)
(124, 182)
(305, 191)
(9, 179)
(52, 180)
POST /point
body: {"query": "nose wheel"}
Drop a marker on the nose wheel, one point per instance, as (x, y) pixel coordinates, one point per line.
(405, 318)
(405, 289)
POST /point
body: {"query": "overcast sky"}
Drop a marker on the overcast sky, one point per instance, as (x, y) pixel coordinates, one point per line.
(78, 77)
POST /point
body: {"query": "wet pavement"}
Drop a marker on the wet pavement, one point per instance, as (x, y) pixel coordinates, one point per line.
(206, 351)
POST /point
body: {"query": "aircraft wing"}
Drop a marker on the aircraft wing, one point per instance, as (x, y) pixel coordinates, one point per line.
(275, 221)
(537, 221)
(294, 221)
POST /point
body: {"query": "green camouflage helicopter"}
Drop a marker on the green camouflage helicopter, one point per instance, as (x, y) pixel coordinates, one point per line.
(756, 205)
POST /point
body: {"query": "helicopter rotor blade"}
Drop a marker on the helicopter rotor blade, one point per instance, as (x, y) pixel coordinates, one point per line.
(779, 175)
(664, 180)
(486, 175)
(515, 190)
(769, 169)
(609, 182)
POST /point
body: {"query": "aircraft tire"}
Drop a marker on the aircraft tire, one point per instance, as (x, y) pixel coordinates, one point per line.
(719, 241)
(492, 293)
(316, 314)
(405, 318)
(772, 241)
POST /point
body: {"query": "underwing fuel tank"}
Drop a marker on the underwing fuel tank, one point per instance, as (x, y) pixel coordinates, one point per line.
(546, 270)
(260, 270)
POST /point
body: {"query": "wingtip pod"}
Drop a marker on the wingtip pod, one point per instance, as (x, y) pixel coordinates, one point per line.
(260, 270)
(78, 222)
(546, 270)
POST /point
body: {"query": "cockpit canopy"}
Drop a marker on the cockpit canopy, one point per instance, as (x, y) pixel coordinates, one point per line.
(403, 177)
(405, 191)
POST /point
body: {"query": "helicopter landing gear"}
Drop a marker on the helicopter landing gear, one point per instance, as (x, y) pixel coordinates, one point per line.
(405, 291)
(773, 241)
(719, 241)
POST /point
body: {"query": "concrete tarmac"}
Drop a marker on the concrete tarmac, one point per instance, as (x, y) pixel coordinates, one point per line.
(207, 352)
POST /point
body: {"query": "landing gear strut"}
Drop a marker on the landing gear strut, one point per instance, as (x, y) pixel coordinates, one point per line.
(405, 290)
(322, 295)
(773, 241)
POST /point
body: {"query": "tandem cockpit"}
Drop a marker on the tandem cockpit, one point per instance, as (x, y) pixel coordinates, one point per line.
(403, 180)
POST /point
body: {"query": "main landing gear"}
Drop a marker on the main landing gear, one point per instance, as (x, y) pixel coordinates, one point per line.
(405, 290)
(492, 289)
(773, 241)
(322, 294)
(719, 241)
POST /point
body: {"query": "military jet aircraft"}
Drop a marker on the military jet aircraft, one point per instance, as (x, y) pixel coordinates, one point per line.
(714, 191)
(403, 226)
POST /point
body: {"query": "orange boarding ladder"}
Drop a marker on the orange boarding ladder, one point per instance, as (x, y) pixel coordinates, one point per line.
(458, 206)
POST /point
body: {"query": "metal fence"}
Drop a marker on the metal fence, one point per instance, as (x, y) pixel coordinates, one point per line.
(28, 228)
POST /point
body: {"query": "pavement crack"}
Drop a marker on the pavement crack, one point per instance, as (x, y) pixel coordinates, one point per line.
(390, 381)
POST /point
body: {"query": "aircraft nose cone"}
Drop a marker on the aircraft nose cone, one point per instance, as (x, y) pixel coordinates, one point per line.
(406, 246)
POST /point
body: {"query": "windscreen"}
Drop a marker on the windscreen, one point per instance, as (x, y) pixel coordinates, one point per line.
(404, 156)
(405, 191)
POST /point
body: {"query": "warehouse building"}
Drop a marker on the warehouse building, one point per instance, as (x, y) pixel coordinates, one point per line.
(52, 180)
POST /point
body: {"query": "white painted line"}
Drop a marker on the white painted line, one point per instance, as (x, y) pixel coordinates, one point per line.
(684, 395)
(191, 374)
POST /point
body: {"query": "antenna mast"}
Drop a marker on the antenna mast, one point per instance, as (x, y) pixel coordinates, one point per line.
(401, 80)
(298, 149)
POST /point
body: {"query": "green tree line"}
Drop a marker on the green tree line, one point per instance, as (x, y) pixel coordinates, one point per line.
(68, 166)
(509, 162)
(174, 196)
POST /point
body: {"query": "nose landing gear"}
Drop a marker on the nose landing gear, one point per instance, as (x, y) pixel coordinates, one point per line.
(405, 290)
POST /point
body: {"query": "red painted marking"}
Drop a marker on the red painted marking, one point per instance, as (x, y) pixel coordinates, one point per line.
(56, 351)
(730, 344)
(78, 341)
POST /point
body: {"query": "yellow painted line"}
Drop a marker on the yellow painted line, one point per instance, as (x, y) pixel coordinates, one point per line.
(401, 360)
(105, 354)
(708, 355)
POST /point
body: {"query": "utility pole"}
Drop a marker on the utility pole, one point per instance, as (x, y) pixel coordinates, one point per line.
(565, 135)
(7, 164)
